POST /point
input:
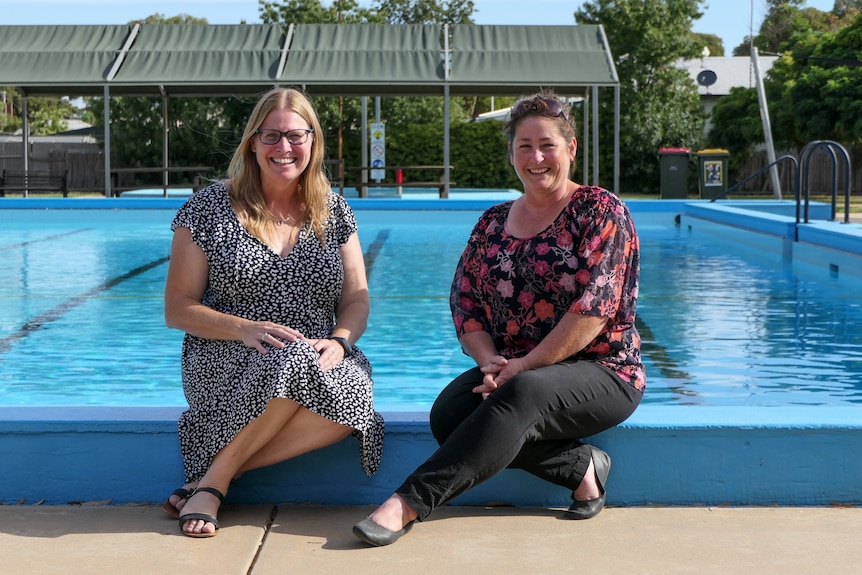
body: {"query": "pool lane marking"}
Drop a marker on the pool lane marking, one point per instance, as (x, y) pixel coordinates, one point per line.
(52, 315)
(374, 250)
(46, 239)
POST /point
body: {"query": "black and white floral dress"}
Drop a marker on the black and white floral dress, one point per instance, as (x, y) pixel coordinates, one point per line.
(227, 384)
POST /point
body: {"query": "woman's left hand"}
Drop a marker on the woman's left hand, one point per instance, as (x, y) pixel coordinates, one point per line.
(330, 352)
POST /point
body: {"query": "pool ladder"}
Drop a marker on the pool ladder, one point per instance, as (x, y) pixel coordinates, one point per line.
(803, 189)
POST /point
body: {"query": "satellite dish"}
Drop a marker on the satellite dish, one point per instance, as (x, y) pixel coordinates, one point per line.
(706, 78)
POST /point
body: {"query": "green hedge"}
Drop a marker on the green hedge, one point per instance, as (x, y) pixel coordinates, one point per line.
(477, 153)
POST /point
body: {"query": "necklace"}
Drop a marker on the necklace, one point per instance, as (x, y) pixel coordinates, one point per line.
(288, 219)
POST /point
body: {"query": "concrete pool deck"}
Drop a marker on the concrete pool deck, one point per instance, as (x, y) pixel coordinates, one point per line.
(269, 539)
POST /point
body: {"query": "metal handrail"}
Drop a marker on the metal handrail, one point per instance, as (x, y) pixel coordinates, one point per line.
(759, 172)
(803, 165)
(805, 160)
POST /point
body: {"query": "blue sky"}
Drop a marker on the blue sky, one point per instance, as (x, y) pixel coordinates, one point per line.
(731, 20)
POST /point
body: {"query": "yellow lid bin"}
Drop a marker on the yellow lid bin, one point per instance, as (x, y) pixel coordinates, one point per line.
(712, 172)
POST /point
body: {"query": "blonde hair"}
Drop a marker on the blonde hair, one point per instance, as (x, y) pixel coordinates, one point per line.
(244, 186)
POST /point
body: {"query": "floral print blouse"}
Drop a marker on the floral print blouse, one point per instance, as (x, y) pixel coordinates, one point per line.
(587, 261)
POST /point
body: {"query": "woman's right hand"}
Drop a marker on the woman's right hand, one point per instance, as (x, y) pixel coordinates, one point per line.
(264, 334)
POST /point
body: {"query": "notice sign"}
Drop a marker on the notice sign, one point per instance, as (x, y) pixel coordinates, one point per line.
(712, 174)
(378, 151)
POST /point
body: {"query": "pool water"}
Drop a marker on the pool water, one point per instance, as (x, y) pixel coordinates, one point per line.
(81, 315)
(724, 325)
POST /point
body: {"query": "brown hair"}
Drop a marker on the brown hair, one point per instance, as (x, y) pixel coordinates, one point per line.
(549, 105)
(245, 187)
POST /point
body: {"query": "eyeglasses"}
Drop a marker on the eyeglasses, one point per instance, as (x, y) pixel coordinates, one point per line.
(539, 105)
(271, 137)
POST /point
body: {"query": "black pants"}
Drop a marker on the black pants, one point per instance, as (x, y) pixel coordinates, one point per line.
(532, 422)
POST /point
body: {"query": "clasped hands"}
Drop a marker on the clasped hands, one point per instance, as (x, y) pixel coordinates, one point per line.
(498, 371)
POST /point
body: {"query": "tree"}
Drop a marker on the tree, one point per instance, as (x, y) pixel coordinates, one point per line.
(813, 91)
(314, 12)
(425, 11)
(178, 19)
(711, 42)
(846, 8)
(812, 88)
(786, 18)
(736, 127)
(10, 119)
(819, 82)
(46, 115)
(736, 122)
(659, 103)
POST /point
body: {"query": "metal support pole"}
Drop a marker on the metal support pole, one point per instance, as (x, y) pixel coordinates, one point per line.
(617, 139)
(25, 138)
(444, 193)
(595, 98)
(363, 191)
(106, 111)
(585, 138)
(164, 141)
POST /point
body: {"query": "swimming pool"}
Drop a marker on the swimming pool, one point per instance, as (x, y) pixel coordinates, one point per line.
(81, 318)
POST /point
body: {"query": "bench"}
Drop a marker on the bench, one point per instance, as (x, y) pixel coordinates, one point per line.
(26, 182)
(120, 175)
(441, 184)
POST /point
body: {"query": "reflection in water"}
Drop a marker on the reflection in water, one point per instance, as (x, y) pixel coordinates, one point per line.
(720, 324)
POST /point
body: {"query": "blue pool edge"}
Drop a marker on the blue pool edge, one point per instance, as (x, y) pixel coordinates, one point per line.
(664, 455)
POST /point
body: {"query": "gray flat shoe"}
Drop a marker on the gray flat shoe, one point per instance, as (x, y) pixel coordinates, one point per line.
(377, 535)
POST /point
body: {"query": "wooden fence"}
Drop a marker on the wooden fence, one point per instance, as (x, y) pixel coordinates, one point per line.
(84, 162)
(86, 168)
(820, 173)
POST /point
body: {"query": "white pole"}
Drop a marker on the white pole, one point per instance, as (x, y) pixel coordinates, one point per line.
(767, 129)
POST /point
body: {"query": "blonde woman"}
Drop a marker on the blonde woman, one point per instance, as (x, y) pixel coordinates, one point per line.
(268, 282)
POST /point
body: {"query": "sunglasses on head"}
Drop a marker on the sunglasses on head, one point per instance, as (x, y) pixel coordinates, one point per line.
(539, 105)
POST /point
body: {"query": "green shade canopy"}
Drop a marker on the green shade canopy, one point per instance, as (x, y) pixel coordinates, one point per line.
(47, 60)
(366, 59)
(326, 59)
(503, 60)
(199, 60)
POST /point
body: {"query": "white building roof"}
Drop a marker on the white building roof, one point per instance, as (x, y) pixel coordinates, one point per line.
(724, 72)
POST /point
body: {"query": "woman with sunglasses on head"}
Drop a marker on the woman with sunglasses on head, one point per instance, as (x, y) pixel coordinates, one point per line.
(543, 300)
(268, 281)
